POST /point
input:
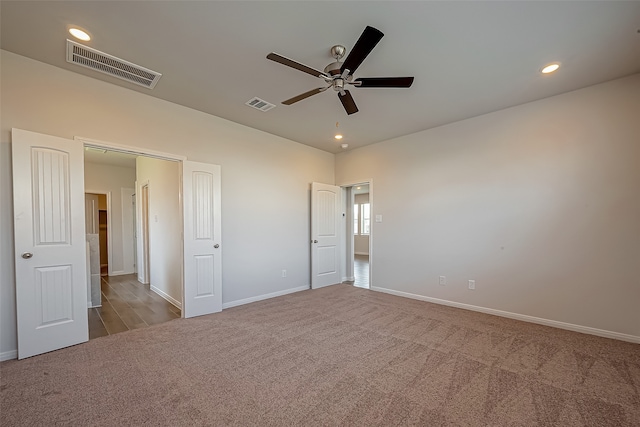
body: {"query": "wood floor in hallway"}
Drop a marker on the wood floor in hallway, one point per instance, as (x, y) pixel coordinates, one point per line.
(128, 304)
(361, 271)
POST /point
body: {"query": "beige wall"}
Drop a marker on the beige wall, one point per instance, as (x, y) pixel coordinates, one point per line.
(112, 179)
(265, 178)
(165, 225)
(540, 204)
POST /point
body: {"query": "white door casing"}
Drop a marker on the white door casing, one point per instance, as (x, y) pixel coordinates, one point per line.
(144, 268)
(91, 214)
(50, 248)
(325, 235)
(202, 229)
(128, 234)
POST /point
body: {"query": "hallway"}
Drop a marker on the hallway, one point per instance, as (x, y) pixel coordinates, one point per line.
(361, 271)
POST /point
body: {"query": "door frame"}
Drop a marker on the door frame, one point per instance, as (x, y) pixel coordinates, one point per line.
(109, 230)
(348, 240)
(143, 270)
(139, 151)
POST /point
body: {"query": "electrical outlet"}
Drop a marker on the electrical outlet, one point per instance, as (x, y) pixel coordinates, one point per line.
(443, 280)
(284, 273)
(472, 284)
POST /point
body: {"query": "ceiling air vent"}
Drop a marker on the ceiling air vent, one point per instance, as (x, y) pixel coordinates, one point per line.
(109, 64)
(260, 104)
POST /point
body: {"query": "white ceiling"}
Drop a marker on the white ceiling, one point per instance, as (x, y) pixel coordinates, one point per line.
(361, 189)
(113, 158)
(468, 58)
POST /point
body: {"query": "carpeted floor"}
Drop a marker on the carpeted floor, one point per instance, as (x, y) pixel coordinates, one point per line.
(335, 356)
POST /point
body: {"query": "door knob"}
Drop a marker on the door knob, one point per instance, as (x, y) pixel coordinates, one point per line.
(216, 246)
(27, 255)
(315, 241)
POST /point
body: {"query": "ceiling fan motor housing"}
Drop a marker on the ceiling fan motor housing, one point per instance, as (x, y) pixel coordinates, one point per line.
(333, 68)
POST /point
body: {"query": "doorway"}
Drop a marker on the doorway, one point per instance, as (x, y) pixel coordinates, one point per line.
(359, 230)
(134, 296)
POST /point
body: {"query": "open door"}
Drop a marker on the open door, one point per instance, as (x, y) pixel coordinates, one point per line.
(325, 238)
(50, 248)
(202, 227)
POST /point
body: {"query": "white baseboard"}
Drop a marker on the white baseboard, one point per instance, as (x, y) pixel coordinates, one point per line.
(120, 273)
(516, 316)
(362, 253)
(263, 297)
(166, 296)
(349, 279)
(8, 355)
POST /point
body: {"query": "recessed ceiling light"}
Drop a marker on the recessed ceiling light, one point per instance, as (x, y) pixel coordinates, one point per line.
(79, 34)
(338, 136)
(550, 68)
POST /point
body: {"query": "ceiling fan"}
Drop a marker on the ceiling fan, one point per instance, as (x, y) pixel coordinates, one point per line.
(340, 74)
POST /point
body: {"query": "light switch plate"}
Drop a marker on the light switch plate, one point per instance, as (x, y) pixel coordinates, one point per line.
(378, 218)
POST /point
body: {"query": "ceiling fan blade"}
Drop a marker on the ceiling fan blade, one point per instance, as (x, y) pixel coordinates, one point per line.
(298, 66)
(385, 81)
(347, 102)
(365, 44)
(304, 95)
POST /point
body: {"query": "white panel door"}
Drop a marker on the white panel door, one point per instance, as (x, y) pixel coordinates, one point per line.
(202, 252)
(325, 239)
(50, 249)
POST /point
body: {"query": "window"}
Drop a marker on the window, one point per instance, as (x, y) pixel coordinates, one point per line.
(361, 219)
(366, 219)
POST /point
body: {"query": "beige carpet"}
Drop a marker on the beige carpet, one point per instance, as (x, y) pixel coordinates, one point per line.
(336, 356)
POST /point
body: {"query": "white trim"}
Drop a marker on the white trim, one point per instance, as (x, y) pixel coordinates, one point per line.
(349, 279)
(166, 296)
(516, 316)
(121, 273)
(130, 149)
(263, 297)
(8, 355)
(143, 270)
(125, 263)
(107, 194)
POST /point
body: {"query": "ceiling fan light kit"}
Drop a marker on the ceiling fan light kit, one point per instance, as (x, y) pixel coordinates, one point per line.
(339, 74)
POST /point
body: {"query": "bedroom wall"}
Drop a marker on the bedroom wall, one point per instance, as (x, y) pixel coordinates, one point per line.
(165, 229)
(265, 178)
(113, 179)
(539, 204)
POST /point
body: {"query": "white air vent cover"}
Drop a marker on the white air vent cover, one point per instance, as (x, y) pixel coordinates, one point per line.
(260, 104)
(109, 64)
